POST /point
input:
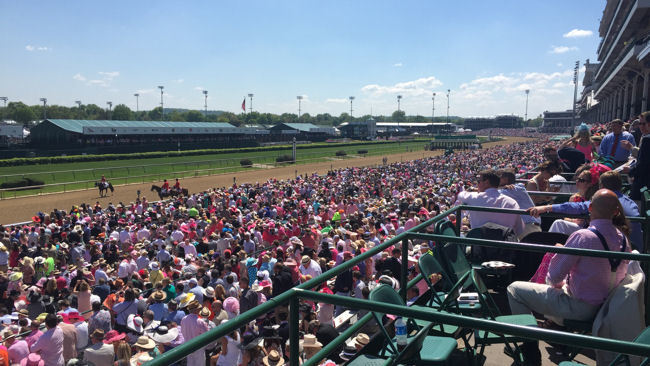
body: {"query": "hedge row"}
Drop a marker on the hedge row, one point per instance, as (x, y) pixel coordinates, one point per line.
(24, 182)
(164, 154)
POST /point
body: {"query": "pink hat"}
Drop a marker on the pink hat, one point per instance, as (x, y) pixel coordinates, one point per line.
(34, 359)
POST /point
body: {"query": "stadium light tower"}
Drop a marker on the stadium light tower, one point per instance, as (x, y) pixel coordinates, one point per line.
(399, 99)
(44, 100)
(526, 115)
(433, 110)
(448, 91)
(351, 99)
(205, 93)
(4, 99)
(299, 104)
(137, 102)
(162, 108)
(110, 106)
(250, 95)
(79, 107)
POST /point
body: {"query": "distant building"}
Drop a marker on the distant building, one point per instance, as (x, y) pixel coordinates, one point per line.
(617, 85)
(505, 121)
(409, 128)
(360, 130)
(558, 122)
(302, 131)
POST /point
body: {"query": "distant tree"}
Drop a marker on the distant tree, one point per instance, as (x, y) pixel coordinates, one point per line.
(20, 113)
(194, 116)
(420, 118)
(399, 116)
(155, 114)
(175, 116)
(122, 113)
(92, 111)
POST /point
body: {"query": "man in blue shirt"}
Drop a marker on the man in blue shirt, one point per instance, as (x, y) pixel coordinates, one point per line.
(611, 144)
(612, 181)
(517, 191)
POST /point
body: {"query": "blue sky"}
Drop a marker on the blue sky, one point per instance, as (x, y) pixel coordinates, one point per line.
(486, 52)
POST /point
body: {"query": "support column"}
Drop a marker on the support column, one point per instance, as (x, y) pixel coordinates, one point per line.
(644, 98)
(626, 86)
(619, 103)
(633, 111)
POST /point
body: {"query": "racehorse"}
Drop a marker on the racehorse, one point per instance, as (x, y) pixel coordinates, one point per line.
(104, 187)
(169, 193)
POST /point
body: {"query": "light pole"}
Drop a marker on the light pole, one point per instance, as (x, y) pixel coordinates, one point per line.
(448, 91)
(205, 93)
(433, 110)
(526, 114)
(4, 109)
(399, 98)
(44, 100)
(110, 106)
(299, 104)
(78, 106)
(351, 99)
(137, 102)
(250, 95)
(576, 70)
(162, 108)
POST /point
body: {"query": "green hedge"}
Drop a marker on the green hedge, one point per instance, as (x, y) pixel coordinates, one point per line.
(362, 152)
(163, 154)
(246, 162)
(341, 153)
(284, 159)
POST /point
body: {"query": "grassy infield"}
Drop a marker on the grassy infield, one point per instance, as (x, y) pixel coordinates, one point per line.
(156, 169)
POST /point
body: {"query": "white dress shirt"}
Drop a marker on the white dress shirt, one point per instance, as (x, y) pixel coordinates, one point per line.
(491, 198)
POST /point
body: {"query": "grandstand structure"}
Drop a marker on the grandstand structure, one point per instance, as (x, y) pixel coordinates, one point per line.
(505, 121)
(619, 81)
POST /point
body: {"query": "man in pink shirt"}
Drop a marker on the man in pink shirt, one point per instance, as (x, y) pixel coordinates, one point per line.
(577, 286)
(193, 326)
(35, 334)
(50, 344)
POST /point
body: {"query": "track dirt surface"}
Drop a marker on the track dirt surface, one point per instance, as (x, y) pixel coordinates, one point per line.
(22, 209)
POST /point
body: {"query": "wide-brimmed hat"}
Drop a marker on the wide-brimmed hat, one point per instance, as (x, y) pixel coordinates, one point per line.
(16, 276)
(205, 312)
(250, 341)
(33, 359)
(135, 323)
(159, 295)
(186, 300)
(154, 266)
(251, 262)
(193, 305)
(273, 359)
(305, 259)
(348, 352)
(362, 339)
(113, 336)
(310, 341)
(72, 317)
(98, 334)
(209, 291)
(162, 334)
(145, 342)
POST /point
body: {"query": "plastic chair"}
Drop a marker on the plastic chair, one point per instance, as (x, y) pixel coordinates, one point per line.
(622, 359)
(438, 349)
(491, 311)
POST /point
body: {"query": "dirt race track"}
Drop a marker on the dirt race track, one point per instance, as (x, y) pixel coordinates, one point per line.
(22, 209)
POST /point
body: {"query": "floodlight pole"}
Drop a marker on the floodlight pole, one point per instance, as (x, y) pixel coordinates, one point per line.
(78, 106)
(250, 95)
(162, 108)
(137, 102)
(110, 106)
(44, 100)
(526, 114)
(433, 110)
(205, 93)
(351, 99)
(448, 91)
(4, 99)
(399, 99)
(299, 104)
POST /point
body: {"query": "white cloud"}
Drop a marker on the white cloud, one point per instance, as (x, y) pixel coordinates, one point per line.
(576, 33)
(105, 80)
(109, 75)
(144, 91)
(562, 49)
(398, 64)
(79, 77)
(336, 100)
(180, 81)
(199, 88)
(418, 87)
(32, 48)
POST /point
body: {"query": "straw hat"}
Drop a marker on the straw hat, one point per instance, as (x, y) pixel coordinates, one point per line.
(310, 341)
(273, 359)
(193, 305)
(145, 342)
(361, 339)
(158, 295)
(205, 312)
(305, 259)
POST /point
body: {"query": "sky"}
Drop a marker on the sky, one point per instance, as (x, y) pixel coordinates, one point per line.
(487, 53)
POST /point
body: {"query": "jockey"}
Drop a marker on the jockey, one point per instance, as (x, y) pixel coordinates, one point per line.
(103, 181)
(165, 186)
(177, 186)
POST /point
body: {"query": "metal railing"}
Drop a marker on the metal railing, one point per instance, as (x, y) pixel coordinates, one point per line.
(303, 291)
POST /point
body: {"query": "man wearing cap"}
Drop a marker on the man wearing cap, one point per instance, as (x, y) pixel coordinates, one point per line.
(612, 145)
(193, 326)
(99, 353)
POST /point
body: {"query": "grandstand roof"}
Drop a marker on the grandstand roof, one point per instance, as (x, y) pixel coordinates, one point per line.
(74, 125)
(304, 127)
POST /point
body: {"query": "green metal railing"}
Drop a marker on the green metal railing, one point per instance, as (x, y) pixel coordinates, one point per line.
(304, 291)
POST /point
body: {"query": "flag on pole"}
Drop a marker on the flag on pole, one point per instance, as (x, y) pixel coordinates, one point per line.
(243, 105)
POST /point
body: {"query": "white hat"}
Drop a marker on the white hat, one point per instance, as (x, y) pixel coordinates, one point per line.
(134, 322)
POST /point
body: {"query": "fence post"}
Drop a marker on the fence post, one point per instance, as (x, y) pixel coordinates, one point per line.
(404, 275)
(294, 336)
